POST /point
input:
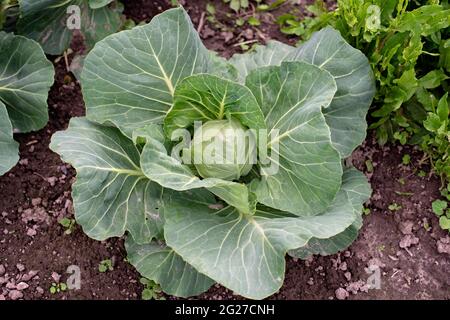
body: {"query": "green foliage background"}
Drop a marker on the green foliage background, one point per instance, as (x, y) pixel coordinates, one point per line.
(408, 46)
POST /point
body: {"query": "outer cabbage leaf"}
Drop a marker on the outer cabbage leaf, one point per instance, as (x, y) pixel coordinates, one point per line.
(355, 81)
(97, 24)
(206, 97)
(221, 67)
(358, 191)
(245, 253)
(25, 79)
(309, 168)
(158, 262)
(129, 78)
(350, 68)
(9, 149)
(45, 21)
(170, 173)
(95, 4)
(272, 54)
(111, 194)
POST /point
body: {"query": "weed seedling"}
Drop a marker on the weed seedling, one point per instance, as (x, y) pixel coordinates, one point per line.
(394, 207)
(406, 159)
(406, 194)
(58, 287)
(105, 265)
(421, 173)
(440, 208)
(369, 166)
(68, 224)
(152, 290)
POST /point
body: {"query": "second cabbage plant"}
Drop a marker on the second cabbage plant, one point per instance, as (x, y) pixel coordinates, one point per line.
(152, 162)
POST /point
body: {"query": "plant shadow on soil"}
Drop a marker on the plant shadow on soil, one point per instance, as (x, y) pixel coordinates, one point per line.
(407, 245)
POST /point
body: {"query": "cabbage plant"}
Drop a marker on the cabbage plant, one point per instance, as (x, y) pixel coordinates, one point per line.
(25, 79)
(53, 22)
(157, 101)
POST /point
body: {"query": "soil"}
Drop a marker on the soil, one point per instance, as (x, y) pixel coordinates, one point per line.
(404, 244)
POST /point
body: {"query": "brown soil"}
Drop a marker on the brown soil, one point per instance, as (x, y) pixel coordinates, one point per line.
(411, 251)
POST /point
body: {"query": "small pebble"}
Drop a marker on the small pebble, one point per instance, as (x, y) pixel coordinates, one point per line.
(22, 286)
(20, 267)
(36, 201)
(341, 294)
(10, 285)
(348, 276)
(31, 232)
(29, 276)
(56, 277)
(15, 294)
(2, 270)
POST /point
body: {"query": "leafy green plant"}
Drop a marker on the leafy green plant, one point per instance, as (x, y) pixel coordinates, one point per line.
(292, 23)
(394, 207)
(105, 265)
(155, 96)
(58, 287)
(68, 224)
(46, 21)
(237, 5)
(152, 290)
(406, 159)
(440, 208)
(445, 192)
(408, 46)
(436, 141)
(25, 79)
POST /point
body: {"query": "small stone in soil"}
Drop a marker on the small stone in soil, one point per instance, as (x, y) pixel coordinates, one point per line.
(20, 267)
(52, 181)
(443, 246)
(36, 201)
(408, 240)
(31, 232)
(56, 276)
(29, 276)
(348, 276)
(22, 286)
(343, 266)
(341, 294)
(406, 227)
(2, 270)
(15, 294)
(10, 285)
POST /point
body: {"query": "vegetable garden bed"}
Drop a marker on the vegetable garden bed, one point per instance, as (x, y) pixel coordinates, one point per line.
(400, 236)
